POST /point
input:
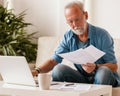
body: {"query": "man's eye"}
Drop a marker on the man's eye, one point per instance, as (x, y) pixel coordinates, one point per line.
(76, 20)
(70, 22)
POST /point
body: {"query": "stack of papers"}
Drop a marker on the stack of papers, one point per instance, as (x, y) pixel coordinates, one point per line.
(82, 56)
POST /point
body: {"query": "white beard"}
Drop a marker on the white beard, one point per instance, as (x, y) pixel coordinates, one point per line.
(78, 31)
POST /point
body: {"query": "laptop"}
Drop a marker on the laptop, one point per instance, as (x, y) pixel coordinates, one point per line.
(15, 70)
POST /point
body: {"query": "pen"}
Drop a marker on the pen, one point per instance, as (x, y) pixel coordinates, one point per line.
(69, 84)
(55, 84)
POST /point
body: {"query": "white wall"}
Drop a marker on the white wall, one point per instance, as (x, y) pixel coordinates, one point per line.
(47, 16)
(106, 14)
(43, 14)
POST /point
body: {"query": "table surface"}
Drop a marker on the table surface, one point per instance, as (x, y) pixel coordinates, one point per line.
(57, 89)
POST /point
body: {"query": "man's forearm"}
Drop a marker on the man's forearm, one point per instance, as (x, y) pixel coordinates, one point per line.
(112, 66)
(47, 66)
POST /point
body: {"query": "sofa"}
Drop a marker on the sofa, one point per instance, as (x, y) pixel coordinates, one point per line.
(47, 45)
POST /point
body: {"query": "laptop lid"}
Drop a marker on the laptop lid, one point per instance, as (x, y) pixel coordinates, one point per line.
(15, 70)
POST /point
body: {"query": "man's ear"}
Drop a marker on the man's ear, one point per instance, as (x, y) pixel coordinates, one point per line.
(86, 15)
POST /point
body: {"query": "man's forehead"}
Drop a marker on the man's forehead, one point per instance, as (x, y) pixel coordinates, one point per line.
(74, 8)
(73, 11)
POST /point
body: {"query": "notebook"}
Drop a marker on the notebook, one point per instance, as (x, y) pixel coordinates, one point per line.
(15, 70)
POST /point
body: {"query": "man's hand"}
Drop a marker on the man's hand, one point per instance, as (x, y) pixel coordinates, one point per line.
(34, 73)
(89, 67)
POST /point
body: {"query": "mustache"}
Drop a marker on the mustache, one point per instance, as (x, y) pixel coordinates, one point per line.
(77, 28)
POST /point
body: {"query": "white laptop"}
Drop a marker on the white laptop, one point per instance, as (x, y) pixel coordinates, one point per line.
(15, 70)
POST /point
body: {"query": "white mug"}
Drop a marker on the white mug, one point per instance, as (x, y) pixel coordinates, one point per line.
(44, 81)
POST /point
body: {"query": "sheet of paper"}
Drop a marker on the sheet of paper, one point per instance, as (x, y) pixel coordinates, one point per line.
(94, 52)
(76, 87)
(83, 56)
(82, 87)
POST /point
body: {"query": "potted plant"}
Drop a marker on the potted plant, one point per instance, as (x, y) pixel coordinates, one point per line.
(14, 39)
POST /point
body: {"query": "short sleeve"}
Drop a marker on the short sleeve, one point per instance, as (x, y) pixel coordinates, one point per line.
(108, 48)
(62, 48)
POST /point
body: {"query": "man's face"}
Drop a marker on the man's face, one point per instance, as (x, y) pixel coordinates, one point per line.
(76, 19)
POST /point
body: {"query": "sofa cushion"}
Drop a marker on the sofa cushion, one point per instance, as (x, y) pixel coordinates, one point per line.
(117, 52)
(46, 47)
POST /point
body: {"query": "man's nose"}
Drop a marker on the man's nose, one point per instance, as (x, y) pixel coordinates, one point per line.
(74, 24)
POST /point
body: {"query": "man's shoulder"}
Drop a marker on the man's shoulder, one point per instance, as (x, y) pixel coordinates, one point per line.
(98, 30)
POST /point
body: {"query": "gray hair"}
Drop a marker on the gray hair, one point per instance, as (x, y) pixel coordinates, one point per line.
(78, 3)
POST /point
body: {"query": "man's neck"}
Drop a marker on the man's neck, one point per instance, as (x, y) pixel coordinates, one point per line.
(83, 37)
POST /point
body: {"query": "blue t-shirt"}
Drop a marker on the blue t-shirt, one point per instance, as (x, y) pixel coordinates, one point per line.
(97, 37)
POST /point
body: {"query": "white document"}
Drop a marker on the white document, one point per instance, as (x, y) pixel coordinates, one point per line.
(83, 56)
(76, 87)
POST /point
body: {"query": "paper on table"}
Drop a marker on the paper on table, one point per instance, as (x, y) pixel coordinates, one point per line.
(76, 87)
(83, 56)
(82, 87)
